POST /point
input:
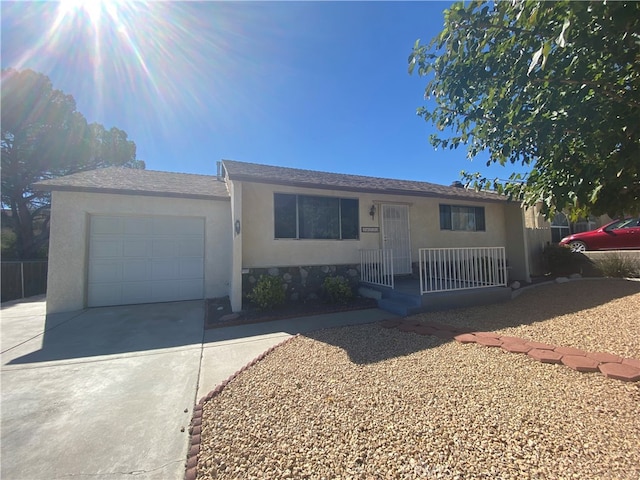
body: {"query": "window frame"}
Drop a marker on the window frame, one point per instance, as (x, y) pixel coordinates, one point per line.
(298, 221)
(448, 223)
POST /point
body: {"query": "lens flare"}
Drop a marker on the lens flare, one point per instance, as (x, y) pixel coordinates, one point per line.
(165, 61)
(92, 8)
(171, 74)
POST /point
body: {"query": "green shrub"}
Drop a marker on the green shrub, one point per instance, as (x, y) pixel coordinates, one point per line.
(560, 260)
(8, 243)
(268, 293)
(337, 290)
(618, 265)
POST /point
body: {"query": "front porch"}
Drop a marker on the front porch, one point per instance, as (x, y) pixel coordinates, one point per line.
(444, 278)
(405, 298)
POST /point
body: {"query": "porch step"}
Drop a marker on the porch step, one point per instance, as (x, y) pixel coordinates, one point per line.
(464, 298)
(369, 293)
(406, 299)
(399, 306)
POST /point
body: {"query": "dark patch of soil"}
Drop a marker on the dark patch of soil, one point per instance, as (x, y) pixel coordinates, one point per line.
(218, 311)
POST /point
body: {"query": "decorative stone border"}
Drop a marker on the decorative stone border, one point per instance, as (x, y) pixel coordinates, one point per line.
(302, 283)
(195, 428)
(610, 365)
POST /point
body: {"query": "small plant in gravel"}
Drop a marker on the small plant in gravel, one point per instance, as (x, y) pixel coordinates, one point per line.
(268, 293)
(337, 290)
(618, 265)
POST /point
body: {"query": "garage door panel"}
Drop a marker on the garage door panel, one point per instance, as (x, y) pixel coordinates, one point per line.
(136, 292)
(105, 271)
(167, 226)
(162, 289)
(177, 225)
(180, 290)
(162, 269)
(106, 294)
(190, 268)
(141, 259)
(135, 271)
(106, 247)
(137, 226)
(135, 247)
(163, 248)
(104, 225)
(190, 289)
(191, 247)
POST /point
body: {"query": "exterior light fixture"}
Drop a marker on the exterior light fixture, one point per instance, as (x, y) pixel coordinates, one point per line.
(237, 227)
(372, 211)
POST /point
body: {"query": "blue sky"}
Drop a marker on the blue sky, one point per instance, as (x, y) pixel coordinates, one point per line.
(314, 85)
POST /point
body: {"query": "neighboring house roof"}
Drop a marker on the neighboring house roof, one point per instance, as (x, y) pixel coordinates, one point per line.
(253, 172)
(139, 182)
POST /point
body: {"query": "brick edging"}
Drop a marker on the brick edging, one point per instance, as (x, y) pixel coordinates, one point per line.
(626, 369)
(610, 365)
(195, 427)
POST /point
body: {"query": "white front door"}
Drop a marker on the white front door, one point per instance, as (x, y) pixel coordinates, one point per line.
(395, 236)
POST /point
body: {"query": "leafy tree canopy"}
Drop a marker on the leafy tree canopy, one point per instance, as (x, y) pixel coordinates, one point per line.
(44, 136)
(550, 85)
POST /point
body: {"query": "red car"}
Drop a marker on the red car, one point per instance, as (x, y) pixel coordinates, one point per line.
(617, 235)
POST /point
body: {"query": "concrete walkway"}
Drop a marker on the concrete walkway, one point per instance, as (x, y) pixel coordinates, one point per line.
(109, 392)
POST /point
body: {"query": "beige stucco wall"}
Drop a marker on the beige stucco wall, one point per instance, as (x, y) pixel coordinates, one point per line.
(516, 243)
(534, 219)
(424, 216)
(68, 244)
(235, 285)
(261, 249)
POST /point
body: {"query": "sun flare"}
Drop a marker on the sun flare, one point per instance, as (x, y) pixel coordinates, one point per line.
(93, 10)
(165, 55)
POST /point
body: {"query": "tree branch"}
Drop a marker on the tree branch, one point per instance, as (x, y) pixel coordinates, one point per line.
(606, 92)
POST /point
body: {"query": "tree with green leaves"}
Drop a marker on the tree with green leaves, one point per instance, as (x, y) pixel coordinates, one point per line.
(44, 136)
(553, 86)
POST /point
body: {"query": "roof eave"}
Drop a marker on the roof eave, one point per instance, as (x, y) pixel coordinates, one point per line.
(120, 191)
(250, 178)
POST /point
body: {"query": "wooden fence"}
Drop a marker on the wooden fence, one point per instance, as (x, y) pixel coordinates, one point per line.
(537, 240)
(21, 279)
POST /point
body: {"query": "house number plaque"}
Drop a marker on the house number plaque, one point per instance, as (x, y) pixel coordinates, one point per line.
(370, 229)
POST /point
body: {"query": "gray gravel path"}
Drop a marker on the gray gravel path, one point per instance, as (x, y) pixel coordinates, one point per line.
(366, 402)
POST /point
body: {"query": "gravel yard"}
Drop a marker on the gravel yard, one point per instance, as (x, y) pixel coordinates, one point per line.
(366, 402)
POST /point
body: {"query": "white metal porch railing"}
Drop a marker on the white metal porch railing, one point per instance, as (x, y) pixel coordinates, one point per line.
(376, 267)
(445, 269)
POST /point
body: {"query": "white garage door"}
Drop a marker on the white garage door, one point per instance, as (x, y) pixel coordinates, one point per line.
(145, 259)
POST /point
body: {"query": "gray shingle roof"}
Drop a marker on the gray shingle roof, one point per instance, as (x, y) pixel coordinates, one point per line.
(187, 185)
(254, 172)
(140, 182)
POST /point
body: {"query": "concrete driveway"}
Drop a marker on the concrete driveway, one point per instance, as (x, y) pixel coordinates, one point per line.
(107, 392)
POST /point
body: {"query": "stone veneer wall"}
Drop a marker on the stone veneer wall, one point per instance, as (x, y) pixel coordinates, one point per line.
(304, 283)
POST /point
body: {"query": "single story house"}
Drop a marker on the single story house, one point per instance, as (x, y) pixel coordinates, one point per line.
(122, 236)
